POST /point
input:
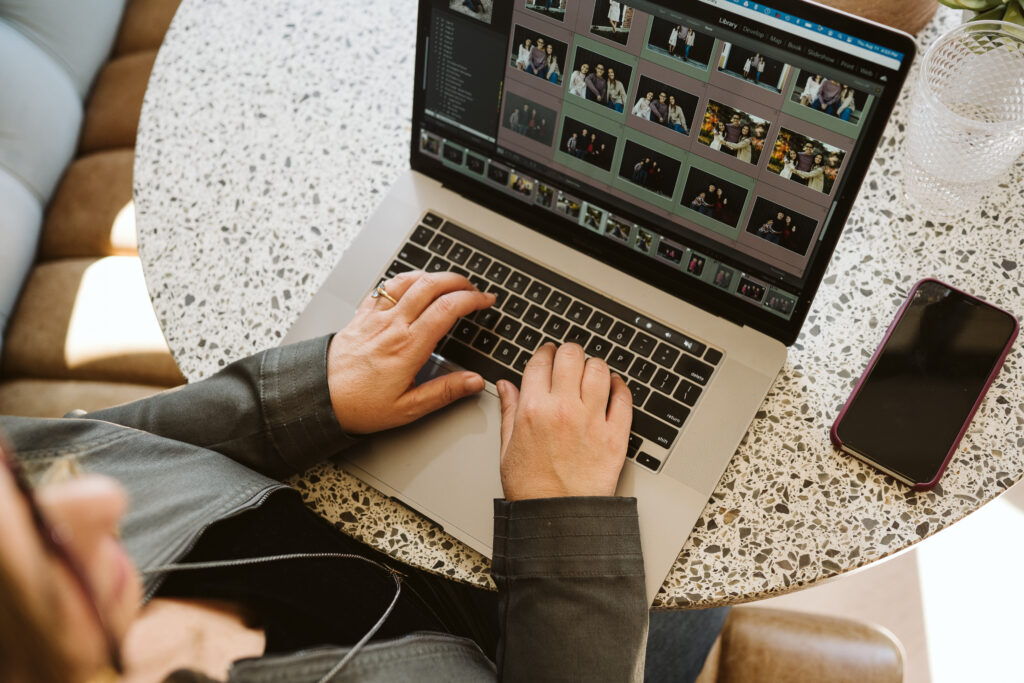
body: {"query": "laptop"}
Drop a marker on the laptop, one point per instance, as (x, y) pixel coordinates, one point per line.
(662, 183)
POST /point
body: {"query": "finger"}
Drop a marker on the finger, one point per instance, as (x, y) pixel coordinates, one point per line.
(438, 393)
(537, 374)
(426, 289)
(596, 385)
(445, 310)
(509, 396)
(567, 371)
(620, 405)
(396, 287)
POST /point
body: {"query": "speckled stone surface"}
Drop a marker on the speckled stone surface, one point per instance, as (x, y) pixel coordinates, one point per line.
(270, 132)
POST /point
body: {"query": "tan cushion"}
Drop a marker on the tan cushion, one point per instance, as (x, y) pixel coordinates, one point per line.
(88, 319)
(112, 113)
(766, 645)
(56, 398)
(92, 213)
(144, 24)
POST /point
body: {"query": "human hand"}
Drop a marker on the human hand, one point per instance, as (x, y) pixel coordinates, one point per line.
(372, 363)
(566, 432)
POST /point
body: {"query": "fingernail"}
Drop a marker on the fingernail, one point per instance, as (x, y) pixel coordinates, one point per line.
(475, 383)
(501, 388)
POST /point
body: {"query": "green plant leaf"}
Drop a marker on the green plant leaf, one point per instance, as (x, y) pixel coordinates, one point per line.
(996, 14)
(1014, 13)
(974, 5)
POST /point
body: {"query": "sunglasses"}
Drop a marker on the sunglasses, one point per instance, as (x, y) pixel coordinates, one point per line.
(55, 546)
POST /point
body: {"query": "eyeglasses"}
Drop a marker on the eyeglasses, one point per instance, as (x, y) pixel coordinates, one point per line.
(55, 545)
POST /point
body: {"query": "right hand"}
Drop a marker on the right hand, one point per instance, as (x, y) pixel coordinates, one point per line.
(566, 432)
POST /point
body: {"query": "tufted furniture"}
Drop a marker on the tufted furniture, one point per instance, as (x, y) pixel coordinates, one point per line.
(78, 327)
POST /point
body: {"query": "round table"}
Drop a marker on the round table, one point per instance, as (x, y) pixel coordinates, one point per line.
(270, 132)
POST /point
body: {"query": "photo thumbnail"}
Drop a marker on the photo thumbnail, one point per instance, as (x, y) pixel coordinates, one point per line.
(696, 265)
(529, 119)
(537, 54)
(520, 184)
(782, 226)
(750, 289)
(806, 160)
(570, 206)
(612, 20)
(478, 9)
(545, 195)
(670, 252)
(549, 8)
(587, 143)
(680, 43)
(617, 228)
(592, 217)
(734, 132)
(648, 169)
(753, 67)
(713, 197)
(665, 105)
(829, 96)
(430, 143)
(600, 79)
(644, 241)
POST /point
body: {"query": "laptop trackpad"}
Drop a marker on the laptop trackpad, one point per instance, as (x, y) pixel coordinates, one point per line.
(444, 465)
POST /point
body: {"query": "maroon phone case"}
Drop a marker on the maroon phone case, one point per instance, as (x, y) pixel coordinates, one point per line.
(924, 486)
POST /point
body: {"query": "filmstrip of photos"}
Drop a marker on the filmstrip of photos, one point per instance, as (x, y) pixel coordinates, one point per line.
(680, 43)
(664, 105)
(806, 160)
(734, 132)
(600, 79)
(587, 143)
(538, 55)
(829, 96)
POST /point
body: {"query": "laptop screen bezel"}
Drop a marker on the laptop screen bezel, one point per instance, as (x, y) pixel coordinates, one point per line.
(638, 265)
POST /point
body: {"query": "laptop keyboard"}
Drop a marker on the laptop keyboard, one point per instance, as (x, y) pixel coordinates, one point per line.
(666, 371)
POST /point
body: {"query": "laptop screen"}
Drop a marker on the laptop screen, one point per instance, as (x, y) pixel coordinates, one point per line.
(716, 139)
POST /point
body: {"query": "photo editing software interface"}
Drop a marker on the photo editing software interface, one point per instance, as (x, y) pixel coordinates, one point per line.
(715, 141)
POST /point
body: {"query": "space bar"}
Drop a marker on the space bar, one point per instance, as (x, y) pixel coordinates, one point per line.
(470, 359)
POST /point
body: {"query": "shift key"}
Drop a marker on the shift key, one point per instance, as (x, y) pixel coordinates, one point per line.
(653, 430)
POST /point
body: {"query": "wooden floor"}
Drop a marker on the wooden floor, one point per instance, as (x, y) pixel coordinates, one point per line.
(955, 600)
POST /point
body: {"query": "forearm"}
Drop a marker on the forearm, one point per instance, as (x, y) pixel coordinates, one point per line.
(271, 411)
(570, 577)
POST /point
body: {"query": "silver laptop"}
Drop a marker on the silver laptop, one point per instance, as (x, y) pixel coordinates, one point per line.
(661, 184)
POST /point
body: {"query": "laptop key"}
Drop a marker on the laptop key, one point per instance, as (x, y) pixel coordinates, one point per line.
(441, 244)
(437, 265)
(599, 323)
(556, 327)
(666, 355)
(433, 220)
(635, 442)
(479, 282)
(517, 282)
(713, 356)
(538, 292)
(478, 263)
(489, 369)
(398, 267)
(485, 341)
(621, 333)
(515, 306)
(694, 369)
(620, 359)
(524, 358)
(536, 316)
(508, 328)
(642, 369)
(648, 461)
(664, 381)
(421, 235)
(667, 409)
(577, 335)
(688, 392)
(459, 271)
(693, 346)
(464, 331)
(598, 348)
(506, 353)
(640, 392)
(459, 253)
(643, 344)
(579, 312)
(499, 293)
(528, 338)
(487, 318)
(498, 272)
(653, 430)
(557, 302)
(413, 255)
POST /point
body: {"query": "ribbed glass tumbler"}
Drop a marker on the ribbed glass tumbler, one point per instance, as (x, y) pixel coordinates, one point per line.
(966, 119)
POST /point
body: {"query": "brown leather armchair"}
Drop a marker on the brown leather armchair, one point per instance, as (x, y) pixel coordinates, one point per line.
(760, 645)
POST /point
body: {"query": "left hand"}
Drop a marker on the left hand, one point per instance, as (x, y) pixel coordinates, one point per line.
(373, 361)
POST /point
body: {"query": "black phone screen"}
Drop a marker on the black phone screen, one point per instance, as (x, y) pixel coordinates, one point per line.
(936, 362)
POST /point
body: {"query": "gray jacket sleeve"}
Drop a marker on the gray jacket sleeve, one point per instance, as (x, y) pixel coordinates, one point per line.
(571, 598)
(271, 411)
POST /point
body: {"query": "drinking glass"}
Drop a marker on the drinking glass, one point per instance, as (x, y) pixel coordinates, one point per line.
(966, 119)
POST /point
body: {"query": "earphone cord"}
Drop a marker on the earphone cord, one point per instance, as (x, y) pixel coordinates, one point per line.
(395, 575)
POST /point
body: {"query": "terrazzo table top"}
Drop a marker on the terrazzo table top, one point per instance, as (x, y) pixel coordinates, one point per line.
(270, 132)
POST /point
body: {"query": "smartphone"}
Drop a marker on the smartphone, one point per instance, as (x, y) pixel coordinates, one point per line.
(920, 390)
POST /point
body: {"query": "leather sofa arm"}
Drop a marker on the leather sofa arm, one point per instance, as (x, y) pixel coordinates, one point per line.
(766, 645)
